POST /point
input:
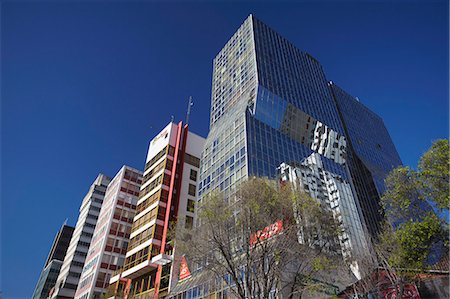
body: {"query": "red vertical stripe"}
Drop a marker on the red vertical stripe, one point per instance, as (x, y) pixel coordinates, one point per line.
(179, 142)
(180, 178)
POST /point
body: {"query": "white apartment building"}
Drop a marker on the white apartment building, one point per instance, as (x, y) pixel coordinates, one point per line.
(72, 267)
(112, 233)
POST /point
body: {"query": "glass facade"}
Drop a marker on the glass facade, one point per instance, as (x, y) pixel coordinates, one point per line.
(271, 104)
(274, 112)
(372, 154)
(278, 109)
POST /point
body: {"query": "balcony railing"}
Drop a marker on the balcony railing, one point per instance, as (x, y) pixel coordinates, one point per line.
(135, 262)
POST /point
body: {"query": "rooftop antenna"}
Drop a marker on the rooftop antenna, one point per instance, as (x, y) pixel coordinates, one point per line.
(65, 222)
(189, 110)
(171, 118)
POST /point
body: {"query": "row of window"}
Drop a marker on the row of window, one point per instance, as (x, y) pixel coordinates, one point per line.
(133, 176)
(149, 216)
(161, 195)
(166, 164)
(153, 160)
(192, 160)
(141, 237)
(156, 182)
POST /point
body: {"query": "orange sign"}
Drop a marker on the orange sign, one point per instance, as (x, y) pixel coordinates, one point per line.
(266, 233)
(184, 270)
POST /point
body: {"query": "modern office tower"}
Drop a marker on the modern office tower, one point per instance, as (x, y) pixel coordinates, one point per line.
(271, 106)
(55, 258)
(167, 195)
(72, 266)
(371, 156)
(112, 233)
(333, 192)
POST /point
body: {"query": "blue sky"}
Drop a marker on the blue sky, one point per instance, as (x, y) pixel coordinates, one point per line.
(85, 85)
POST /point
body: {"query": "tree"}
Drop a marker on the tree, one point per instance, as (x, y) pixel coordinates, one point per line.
(434, 169)
(414, 237)
(270, 238)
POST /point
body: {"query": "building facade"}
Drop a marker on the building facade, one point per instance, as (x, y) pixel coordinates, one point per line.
(371, 156)
(273, 112)
(167, 196)
(73, 264)
(335, 193)
(112, 234)
(271, 104)
(54, 261)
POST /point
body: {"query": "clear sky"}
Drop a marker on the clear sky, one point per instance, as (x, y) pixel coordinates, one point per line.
(85, 85)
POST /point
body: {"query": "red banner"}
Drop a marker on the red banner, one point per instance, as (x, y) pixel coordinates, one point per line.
(266, 233)
(184, 270)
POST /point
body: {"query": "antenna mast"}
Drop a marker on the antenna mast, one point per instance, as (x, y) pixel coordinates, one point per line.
(189, 110)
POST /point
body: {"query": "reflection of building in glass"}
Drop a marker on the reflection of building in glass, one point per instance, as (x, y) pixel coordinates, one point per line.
(334, 193)
(72, 267)
(167, 194)
(271, 104)
(112, 233)
(371, 156)
(49, 274)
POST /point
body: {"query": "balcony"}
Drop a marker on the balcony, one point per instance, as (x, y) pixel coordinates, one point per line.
(139, 269)
(162, 259)
(115, 276)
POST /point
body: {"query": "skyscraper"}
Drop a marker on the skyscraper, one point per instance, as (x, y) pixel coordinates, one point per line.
(371, 156)
(272, 109)
(270, 105)
(167, 195)
(54, 261)
(72, 266)
(112, 233)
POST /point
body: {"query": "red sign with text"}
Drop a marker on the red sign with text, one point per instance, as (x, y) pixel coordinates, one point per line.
(266, 233)
(184, 270)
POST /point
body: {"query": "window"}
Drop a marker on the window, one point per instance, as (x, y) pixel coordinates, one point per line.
(194, 161)
(193, 175)
(189, 222)
(190, 205)
(191, 190)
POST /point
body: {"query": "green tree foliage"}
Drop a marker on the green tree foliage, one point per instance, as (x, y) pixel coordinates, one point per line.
(409, 246)
(402, 199)
(434, 171)
(414, 232)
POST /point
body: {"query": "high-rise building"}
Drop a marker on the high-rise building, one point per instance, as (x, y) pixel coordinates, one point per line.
(371, 156)
(72, 266)
(271, 104)
(167, 196)
(55, 258)
(112, 233)
(273, 109)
